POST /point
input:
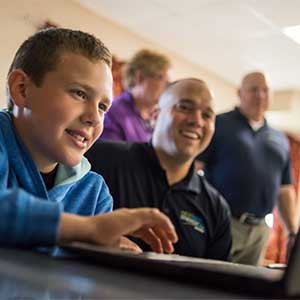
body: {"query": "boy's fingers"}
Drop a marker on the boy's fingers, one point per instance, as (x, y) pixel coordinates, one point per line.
(148, 236)
(167, 244)
(137, 222)
(154, 218)
(161, 228)
(127, 244)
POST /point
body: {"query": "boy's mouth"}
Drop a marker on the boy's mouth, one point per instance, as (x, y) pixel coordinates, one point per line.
(79, 137)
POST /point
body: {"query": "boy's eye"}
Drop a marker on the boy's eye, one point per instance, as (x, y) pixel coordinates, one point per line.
(102, 107)
(79, 93)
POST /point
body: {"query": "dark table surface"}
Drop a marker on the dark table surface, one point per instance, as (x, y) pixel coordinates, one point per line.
(29, 275)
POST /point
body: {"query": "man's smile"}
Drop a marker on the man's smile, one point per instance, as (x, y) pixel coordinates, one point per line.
(190, 134)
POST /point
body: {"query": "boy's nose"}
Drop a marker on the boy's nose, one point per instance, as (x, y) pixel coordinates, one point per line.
(92, 117)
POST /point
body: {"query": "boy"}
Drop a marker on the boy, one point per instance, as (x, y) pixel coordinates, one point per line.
(59, 88)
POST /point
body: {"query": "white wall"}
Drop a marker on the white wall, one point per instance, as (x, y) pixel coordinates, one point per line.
(285, 112)
(19, 19)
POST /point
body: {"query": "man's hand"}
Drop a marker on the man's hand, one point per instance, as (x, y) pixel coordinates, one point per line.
(149, 224)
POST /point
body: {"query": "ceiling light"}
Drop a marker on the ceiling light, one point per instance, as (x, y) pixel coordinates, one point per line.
(293, 32)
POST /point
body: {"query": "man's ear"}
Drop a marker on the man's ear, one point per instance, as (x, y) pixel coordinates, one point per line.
(155, 113)
(18, 82)
(239, 93)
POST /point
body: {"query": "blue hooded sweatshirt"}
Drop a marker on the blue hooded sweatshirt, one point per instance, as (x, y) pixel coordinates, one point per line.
(29, 214)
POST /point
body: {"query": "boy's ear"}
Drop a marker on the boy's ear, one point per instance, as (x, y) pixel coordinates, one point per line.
(18, 82)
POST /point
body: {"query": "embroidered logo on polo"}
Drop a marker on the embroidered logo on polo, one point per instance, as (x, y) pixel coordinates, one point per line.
(192, 220)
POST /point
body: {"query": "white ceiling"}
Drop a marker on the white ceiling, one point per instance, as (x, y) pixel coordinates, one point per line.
(228, 37)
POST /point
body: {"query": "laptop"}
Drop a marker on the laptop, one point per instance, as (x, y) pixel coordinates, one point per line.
(261, 281)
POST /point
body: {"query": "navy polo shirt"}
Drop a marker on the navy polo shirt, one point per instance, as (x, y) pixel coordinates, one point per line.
(135, 179)
(246, 166)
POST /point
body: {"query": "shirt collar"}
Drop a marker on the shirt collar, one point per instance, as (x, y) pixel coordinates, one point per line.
(191, 182)
(238, 114)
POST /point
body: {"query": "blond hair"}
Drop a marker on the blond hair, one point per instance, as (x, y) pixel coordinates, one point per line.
(148, 63)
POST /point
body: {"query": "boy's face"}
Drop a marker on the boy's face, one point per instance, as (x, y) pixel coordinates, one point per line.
(63, 117)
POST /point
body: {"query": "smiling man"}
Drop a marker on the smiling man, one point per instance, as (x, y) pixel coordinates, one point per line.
(248, 161)
(161, 174)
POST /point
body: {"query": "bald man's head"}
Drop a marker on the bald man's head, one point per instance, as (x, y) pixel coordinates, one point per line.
(254, 95)
(186, 120)
(180, 86)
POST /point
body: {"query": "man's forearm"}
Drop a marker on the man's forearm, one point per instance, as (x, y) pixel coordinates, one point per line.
(287, 208)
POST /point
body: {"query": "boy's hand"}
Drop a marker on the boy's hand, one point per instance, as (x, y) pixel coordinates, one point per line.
(149, 224)
(129, 245)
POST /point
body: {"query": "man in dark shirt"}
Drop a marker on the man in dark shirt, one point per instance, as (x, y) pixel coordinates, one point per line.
(161, 173)
(248, 162)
